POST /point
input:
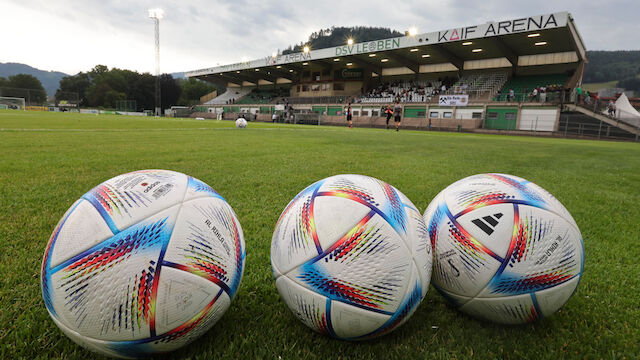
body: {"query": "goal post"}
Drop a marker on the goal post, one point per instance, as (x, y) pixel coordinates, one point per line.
(13, 103)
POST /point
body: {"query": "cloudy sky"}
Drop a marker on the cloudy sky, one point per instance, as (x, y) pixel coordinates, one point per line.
(72, 36)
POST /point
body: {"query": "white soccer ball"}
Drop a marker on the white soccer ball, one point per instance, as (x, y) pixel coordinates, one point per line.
(505, 249)
(351, 257)
(142, 264)
(241, 123)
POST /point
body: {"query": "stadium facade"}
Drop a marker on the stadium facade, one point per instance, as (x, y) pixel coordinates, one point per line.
(514, 74)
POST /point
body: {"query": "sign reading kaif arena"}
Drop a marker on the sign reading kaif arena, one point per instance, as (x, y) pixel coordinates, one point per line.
(454, 100)
(487, 30)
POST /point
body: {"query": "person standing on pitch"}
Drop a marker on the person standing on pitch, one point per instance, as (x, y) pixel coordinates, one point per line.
(389, 112)
(397, 111)
(349, 115)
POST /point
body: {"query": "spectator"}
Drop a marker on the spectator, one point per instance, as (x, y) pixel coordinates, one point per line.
(397, 111)
(512, 95)
(389, 112)
(349, 115)
(274, 117)
(578, 95)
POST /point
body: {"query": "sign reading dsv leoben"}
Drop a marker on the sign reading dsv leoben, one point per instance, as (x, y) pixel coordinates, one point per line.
(490, 29)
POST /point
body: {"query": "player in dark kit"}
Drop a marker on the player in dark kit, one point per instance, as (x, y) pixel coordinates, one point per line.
(397, 112)
(349, 115)
(389, 112)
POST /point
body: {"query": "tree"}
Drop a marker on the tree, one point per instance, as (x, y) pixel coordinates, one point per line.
(192, 90)
(169, 91)
(74, 84)
(33, 90)
(3, 82)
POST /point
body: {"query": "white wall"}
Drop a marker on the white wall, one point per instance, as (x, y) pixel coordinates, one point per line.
(538, 119)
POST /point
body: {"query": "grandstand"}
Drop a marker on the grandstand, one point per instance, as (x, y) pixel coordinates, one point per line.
(482, 63)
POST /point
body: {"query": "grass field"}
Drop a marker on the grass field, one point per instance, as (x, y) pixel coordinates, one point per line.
(48, 160)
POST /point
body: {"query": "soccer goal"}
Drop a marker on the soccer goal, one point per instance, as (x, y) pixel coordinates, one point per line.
(307, 118)
(13, 103)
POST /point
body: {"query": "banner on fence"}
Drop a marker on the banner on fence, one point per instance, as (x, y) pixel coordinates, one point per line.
(454, 100)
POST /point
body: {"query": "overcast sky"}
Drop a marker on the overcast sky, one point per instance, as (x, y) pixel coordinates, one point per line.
(72, 36)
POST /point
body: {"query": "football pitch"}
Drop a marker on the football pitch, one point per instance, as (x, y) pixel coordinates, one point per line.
(48, 160)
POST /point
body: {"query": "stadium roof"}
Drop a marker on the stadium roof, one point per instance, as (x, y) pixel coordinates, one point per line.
(534, 40)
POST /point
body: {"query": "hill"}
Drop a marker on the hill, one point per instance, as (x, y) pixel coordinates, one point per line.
(50, 79)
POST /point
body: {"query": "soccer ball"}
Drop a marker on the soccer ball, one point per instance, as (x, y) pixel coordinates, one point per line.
(351, 257)
(505, 249)
(142, 264)
(241, 123)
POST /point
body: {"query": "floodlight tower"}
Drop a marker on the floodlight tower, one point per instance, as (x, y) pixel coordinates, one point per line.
(156, 15)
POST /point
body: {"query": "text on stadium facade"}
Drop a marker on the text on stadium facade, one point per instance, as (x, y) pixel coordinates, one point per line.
(501, 28)
(378, 45)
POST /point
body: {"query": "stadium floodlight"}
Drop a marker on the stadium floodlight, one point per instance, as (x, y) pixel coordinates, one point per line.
(533, 35)
(156, 15)
(426, 55)
(467, 43)
(274, 54)
(279, 67)
(413, 50)
(290, 70)
(349, 64)
(372, 55)
(257, 69)
(305, 63)
(413, 31)
(384, 60)
(336, 59)
(306, 49)
(349, 41)
(541, 43)
(476, 50)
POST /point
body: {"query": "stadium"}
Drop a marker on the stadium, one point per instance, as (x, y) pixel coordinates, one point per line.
(495, 67)
(88, 219)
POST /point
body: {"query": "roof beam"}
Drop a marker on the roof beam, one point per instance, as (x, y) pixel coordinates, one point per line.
(412, 65)
(376, 68)
(236, 78)
(507, 51)
(449, 56)
(283, 74)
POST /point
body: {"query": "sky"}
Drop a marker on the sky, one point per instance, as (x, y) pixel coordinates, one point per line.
(73, 36)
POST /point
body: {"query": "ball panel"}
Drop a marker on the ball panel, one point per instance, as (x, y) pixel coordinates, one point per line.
(309, 307)
(463, 265)
(208, 241)
(83, 228)
(546, 251)
(552, 299)
(197, 189)
(165, 342)
(490, 225)
(106, 292)
(129, 198)
(375, 194)
(350, 322)
(181, 296)
(334, 217)
(294, 239)
(369, 267)
(517, 309)
(418, 239)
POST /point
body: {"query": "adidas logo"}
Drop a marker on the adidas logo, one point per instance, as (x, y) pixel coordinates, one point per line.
(489, 224)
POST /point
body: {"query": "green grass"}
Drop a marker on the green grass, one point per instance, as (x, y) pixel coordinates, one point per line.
(48, 160)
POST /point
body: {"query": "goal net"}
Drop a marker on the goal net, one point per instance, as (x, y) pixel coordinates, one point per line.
(13, 103)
